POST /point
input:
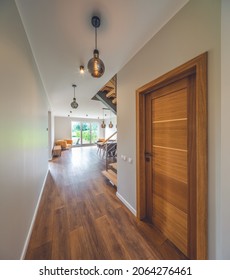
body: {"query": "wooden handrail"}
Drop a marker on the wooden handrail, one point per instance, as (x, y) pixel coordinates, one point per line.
(106, 140)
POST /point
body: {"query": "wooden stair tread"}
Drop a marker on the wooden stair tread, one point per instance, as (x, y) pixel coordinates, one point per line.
(107, 88)
(111, 94)
(114, 101)
(111, 83)
(112, 176)
(113, 165)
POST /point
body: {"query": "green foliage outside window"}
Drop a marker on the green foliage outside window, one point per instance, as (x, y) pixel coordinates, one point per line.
(83, 129)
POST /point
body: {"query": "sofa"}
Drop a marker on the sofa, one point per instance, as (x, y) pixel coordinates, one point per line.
(64, 143)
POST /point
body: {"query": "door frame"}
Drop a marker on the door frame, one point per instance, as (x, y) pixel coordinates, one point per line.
(197, 66)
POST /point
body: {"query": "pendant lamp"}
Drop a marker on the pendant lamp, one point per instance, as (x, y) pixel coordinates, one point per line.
(110, 123)
(96, 66)
(103, 125)
(74, 104)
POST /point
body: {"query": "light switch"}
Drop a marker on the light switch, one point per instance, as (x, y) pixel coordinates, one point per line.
(130, 160)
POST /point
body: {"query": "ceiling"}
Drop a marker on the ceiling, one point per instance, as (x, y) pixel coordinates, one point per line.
(62, 38)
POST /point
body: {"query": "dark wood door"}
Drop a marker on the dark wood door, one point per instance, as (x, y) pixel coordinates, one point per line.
(170, 161)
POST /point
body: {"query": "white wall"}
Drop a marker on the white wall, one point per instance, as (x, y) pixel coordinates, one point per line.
(24, 139)
(194, 30)
(224, 251)
(62, 127)
(50, 134)
(109, 131)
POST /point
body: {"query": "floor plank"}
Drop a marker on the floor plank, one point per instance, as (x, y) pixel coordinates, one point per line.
(80, 216)
(43, 252)
(60, 240)
(79, 245)
(112, 240)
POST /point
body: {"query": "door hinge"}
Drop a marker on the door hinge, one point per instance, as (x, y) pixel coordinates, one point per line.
(148, 156)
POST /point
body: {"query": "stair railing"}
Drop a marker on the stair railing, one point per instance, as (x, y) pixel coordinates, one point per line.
(107, 139)
(110, 153)
(109, 148)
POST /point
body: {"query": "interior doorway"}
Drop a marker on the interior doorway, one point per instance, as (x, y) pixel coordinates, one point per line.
(172, 156)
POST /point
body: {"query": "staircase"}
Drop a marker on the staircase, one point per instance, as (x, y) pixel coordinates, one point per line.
(110, 156)
(108, 95)
(111, 173)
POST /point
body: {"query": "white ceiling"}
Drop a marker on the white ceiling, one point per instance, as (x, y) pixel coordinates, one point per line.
(62, 38)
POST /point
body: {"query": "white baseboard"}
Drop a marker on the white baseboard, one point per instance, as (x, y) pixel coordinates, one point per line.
(33, 220)
(125, 202)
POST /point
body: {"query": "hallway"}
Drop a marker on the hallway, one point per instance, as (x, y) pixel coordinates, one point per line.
(80, 217)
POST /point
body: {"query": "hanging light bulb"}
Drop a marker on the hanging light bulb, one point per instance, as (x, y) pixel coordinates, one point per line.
(96, 66)
(110, 124)
(74, 104)
(103, 125)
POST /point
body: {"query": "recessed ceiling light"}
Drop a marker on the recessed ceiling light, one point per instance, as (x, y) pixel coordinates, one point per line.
(82, 69)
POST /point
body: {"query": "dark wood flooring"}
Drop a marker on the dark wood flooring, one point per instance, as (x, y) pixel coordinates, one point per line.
(80, 217)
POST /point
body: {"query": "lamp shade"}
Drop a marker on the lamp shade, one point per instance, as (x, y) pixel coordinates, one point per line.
(74, 104)
(110, 125)
(96, 66)
(103, 125)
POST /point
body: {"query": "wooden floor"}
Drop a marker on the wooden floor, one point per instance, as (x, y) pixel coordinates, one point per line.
(80, 217)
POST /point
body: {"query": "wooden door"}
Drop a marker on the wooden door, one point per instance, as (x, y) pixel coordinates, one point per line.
(169, 157)
(172, 155)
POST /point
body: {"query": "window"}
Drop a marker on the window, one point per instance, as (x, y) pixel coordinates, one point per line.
(76, 133)
(94, 132)
(84, 133)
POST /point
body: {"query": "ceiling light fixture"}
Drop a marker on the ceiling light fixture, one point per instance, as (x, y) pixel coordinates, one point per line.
(110, 124)
(74, 104)
(96, 66)
(103, 125)
(82, 69)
